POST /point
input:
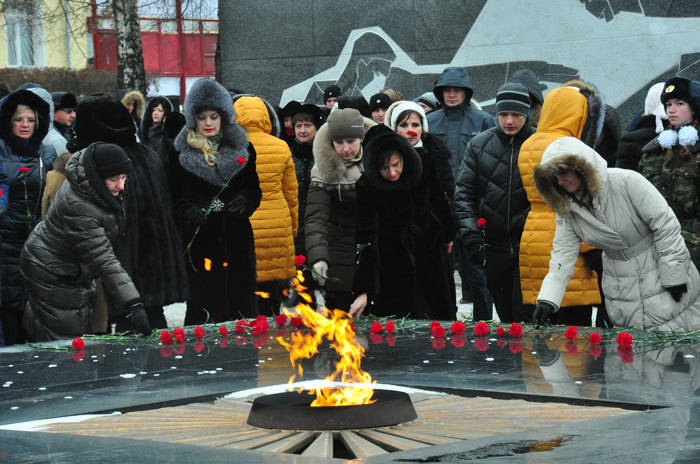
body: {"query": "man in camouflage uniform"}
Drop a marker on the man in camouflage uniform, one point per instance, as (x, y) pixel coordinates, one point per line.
(672, 159)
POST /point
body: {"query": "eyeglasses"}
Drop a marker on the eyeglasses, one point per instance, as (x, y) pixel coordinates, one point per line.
(67, 110)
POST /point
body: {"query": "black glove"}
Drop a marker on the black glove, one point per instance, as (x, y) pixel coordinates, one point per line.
(236, 205)
(544, 311)
(594, 260)
(677, 291)
(545, 355)
(138, 319)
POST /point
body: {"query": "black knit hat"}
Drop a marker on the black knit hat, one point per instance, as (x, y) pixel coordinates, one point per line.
(110, 160)
(682, 89)
(331, 91)
(513, 98)
(379, 100)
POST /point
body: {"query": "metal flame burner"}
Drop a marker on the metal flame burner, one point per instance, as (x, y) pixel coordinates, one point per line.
(293, 411)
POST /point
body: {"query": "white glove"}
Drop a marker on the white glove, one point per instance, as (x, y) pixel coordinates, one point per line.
(320, 273)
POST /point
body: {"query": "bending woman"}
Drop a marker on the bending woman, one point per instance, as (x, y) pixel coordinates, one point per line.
(649, 279)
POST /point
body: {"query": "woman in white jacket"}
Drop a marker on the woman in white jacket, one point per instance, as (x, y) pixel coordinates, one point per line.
(648, 278)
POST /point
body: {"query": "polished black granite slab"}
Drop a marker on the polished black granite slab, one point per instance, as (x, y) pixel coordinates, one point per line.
(659, 379)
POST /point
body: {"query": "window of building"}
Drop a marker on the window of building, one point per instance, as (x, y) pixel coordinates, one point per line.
(24, 37)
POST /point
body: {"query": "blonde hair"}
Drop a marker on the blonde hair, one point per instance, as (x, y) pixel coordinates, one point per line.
(21, 107)
(200, 142)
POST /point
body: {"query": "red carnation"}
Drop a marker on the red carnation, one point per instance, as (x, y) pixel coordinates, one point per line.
(516, 330)
(595, 351)
(240, 326)
(438, 331)
(296, 322)
(165, 337)
(390, 327)
(252, 322)
(179, 335)
(434, 323)
(624, 339)
(500, 331)
(199, 346)
(458, 328)
(281, 320)
(626, 354)
(376, 327)
(240, 160)
(438, 343)
(515, 346)
(260, 328)
(481, 343)
(24, 169)
(1, 192)
(481, 222)
(78, 344)
(572, 348)
(223, 330)
(376, 338)
(299, 260)
(198, 332)
(458, 341)
(481, 329)
(411, 134)
(571, 332)
(390, 340)
(78, 356)
(594, 338)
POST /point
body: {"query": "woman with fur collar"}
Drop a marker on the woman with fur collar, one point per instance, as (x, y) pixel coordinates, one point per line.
(24, 122)
(575, 110)
(404, 230)
(215, 191)
(671, 161)
(649, 280)
(331, 209)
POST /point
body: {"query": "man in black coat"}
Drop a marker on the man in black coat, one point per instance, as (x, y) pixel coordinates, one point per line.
(491, 205)
(150, 249)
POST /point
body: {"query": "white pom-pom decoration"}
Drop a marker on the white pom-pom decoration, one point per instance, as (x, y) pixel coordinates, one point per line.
(667, 138)
(687, 136)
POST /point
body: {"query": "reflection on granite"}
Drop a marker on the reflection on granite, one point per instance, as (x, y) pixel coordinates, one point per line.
(658, 379)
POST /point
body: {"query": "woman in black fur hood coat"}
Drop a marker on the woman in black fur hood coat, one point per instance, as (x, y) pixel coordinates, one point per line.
(151, 132)
(404, 227)
(150, 249)
(216, 190)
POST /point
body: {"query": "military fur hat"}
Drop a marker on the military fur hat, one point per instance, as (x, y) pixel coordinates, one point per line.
(682, 89)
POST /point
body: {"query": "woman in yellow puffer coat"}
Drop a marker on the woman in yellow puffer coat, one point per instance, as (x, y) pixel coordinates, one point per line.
(577, 111)
(275, 222)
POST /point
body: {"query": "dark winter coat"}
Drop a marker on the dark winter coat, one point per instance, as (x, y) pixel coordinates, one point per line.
(456, 126)
(22, 214)
(403, 229)
(629, 151)
(150, 134)
(679, 182)
(331, 212)
(221, 254)
(440, 154)
(489, 186)
(68, 250)
(150, 250)
(303, 156)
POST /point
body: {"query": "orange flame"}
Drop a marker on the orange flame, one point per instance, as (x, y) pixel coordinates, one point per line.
(334, 325)
(263, 294)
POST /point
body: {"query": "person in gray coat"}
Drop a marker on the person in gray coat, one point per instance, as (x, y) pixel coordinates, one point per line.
(73, 246)
(649, 279)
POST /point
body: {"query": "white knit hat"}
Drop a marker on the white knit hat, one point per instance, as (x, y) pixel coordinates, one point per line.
(400, 106)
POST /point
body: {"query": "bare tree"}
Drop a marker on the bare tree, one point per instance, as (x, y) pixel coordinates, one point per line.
(130, 70)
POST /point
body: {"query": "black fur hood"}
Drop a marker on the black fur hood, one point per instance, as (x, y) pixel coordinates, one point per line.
(564, 154)
(381, 139)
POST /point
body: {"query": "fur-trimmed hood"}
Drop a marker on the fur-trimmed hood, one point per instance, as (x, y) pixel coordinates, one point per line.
(595, 108)
(8, 106)
(381, 139)
(139, 102)
(329, 168)
(562, 155)
(256, 112)
(147, 120)
(233, 155)
(101, 118)
(207, 94)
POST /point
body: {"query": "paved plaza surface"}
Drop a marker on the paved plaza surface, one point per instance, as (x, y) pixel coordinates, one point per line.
(540, 397)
